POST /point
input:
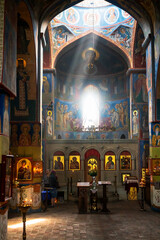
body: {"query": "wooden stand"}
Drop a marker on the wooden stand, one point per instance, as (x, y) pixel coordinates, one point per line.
(24, 209)
(83, 196)
(105, 198)
(93, 201)
(142, 198)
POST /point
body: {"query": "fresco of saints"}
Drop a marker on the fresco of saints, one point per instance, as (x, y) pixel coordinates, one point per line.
(36, 139)
(22, 87)
(111, 15)
(156, 136)
(25, 137)
(141, 94)
(71, 16)
(135, 122)
(49, 120)
(58, 113)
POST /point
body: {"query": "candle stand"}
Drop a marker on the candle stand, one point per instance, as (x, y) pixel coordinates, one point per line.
(23, 207)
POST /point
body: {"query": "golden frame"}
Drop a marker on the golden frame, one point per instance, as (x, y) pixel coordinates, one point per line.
(74, 162)
(58, 163)
(110, 162)
(125, 162)
(24, 169)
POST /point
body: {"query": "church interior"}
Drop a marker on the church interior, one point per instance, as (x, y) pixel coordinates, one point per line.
(79, 96)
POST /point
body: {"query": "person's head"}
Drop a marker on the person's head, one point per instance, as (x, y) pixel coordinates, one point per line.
(58, 159)
(157, 130)
(74, 159)
(23, 163)
(110, 159)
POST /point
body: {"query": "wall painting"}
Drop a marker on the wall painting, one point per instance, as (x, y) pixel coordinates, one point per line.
(74, 162)
(110, 162)
(58, 163)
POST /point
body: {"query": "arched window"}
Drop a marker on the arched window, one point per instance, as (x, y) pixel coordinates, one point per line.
(90, 107)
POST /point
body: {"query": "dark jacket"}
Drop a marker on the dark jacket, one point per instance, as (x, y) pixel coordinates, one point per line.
(53, 181)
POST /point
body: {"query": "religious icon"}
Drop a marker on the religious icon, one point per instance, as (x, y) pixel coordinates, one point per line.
(74, 162)
(111, 15)
(36, 139)
(125, 162)
(46, 86)
(92, 167)
(37, 169)
(72, 15)
(110, 162)
(49, 120)
(124, 177)
(58, 163)
(156, 166)
(135, 123)
(24, 169)
(156, 135)
(25, 137)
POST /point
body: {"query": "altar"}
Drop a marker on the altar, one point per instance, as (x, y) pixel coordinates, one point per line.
(84, 188)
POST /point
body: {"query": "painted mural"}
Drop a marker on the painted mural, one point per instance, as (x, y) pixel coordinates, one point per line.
(60, 35)
(25, 134)
(4, 114)
(69, 122)
(135, 123)
(47, 83)
(109, 21)
(110, 87)
(47, 88)
(149, 67)
(10, 39)
(47, 54)
(140, 88)
(23, 106)
(144, 121)
(139, 52)
(155, 135)
(122, 35)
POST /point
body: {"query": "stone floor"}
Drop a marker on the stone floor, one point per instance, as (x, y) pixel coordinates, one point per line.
(124, 222)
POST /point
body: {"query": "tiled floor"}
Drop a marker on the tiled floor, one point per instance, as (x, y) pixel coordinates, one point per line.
(124, 222)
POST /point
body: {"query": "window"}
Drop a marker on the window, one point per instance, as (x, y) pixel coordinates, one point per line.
(90, 107)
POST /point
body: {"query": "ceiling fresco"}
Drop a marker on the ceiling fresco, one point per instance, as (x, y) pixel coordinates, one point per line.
(76, 58)
(109, 21)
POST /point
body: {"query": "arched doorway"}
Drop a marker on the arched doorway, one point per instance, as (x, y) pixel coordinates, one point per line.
(92, 162)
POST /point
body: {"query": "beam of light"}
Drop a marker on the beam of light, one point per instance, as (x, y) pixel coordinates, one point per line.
(29, 222)
(90, 107)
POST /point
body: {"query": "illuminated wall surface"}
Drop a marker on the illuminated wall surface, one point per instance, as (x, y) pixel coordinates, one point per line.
(92, 46)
